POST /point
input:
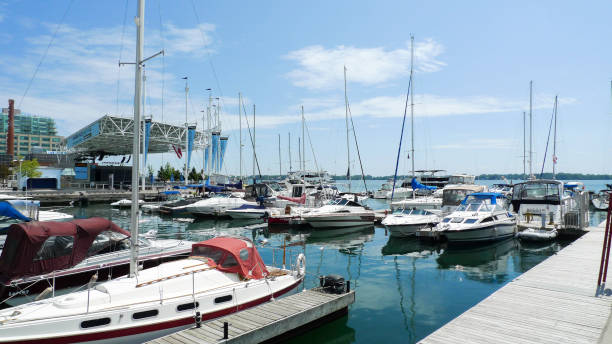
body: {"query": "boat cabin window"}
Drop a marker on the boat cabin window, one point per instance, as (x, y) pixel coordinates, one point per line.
(297, 191)
(187, 306)
(454, 197)
(229, 261)
(457, 220)
(488, 219)
(107, 242)
(222, 299)
(470, 220)
(244, 254)
(95, 322)
(473, 207)
(447, 219)
(210, 252)
(145, 314)
(536, 191)
(55, 246)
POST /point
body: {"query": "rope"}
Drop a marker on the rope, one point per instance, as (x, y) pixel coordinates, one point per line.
(399, 149)
(357, 145)
(547, 140)
(46, 52)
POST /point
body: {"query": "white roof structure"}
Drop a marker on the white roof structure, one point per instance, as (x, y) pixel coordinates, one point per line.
(113, 135)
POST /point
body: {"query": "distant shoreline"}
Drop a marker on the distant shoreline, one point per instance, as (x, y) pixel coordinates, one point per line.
(511, 176)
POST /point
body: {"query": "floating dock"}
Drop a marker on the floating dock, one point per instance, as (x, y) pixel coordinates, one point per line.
(270, 322)
(557, 301)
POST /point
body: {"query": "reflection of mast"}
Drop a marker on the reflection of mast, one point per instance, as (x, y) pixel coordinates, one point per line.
(400, 292)
(412, 300)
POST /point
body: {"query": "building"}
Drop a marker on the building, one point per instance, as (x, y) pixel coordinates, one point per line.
(32, 133)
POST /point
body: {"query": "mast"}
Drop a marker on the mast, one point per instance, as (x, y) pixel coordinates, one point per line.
(186, 133)
(530, 127)
(303, 145)
(524, 147)
(554, 159)
(280, 160)
(299, 152)
(348, 148)
(412, 104)
(144, 114)
(254, 142)
(210, 130)
(240, 130)
(136, 142)
(290, 168)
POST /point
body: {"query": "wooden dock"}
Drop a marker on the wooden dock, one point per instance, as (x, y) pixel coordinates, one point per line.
(272, 321)
(557, 301)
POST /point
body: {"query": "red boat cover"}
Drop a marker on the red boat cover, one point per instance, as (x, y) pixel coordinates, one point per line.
(36, 248)
(300, 200)
(229, 254)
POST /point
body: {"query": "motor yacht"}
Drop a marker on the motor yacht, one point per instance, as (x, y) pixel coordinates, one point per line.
(405, 222)
(339, 213)
(479, 217)
(216, 205)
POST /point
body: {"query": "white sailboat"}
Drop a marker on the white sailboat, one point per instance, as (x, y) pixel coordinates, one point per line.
(222, 275)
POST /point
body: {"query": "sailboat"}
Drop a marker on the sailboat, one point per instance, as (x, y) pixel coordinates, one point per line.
(221, 276)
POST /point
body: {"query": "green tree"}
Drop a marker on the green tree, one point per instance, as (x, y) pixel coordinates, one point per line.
(29, 168)
(195, 175)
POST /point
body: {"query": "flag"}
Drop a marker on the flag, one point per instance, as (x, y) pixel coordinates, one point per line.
(554, 159)
(178, 152)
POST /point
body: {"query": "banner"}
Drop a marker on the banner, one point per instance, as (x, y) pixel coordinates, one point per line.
(205, 159)
(215, 146)
(223, 145)
(147, 134)
(190, 137)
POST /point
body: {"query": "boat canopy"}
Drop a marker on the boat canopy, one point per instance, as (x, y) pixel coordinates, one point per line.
(36, 248)
(170, 192)
(10, 209)
(233, 255)
(483, 196)
(416, 185)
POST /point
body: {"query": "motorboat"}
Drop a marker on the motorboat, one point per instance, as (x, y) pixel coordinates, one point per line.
(221, 276)
(550, 204)
(479, 217)
(406, 222)
(430, 198)
(384, 189)
(248, 211)
(216, 205)
(537, 234)
(67, 254)
(171, 197)
(454, 194)
(601, 200)
(339, 213)
(125, 203)
(23, 210)
(178, 207)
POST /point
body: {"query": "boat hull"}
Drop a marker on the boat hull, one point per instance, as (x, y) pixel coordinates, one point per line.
(340, 220)
(406, 230)
(489, 233)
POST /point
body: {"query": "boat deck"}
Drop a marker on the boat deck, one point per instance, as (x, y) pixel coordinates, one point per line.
(557, 301)
(274, 320)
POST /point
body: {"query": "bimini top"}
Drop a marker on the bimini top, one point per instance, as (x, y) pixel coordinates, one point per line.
(492, 196)
(36, 248)
(231, 254)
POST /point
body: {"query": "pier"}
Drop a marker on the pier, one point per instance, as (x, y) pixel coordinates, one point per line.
(269, 322)
(557, 301)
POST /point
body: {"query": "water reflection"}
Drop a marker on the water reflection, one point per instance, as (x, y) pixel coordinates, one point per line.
(409, 246)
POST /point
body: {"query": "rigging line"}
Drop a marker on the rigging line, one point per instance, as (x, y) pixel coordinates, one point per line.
(399, 149)
(46, 52)
(121, 53)
(313, 152)
(357, 145)
(212, 66)
(252, 143)
(547, 140)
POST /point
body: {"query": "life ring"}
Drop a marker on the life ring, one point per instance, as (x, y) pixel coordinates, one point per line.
(300, 265)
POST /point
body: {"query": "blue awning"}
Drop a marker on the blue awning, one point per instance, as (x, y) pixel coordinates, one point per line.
(7, 210)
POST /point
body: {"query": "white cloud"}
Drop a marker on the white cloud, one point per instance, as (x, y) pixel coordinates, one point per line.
(321, 68)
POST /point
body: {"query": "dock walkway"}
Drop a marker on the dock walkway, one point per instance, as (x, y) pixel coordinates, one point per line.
(269, 321)
(554, 302)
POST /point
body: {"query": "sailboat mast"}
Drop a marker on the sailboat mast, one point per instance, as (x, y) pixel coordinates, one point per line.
(530, 127)
(280, 160)
(303, 144)
(524, 146)
(555, 143)
(186, 133)
(254, 157)
(290, 167)
(240, 130)
(348, 147)
(136, 142)
(210, 130)
(144, 114)
(412, 103)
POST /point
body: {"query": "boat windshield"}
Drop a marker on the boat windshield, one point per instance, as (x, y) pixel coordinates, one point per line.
(536, 191)
(209, 252)
(454, 197)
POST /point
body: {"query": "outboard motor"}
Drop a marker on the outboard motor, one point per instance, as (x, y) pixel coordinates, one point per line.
(333, 284)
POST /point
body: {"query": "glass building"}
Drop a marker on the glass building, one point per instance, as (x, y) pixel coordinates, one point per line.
(32, 133)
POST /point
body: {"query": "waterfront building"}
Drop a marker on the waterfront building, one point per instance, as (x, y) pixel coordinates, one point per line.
(32, 133)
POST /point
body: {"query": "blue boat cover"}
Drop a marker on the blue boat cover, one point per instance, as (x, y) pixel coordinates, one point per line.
(170, 192)
(416, 185)
(7, 210)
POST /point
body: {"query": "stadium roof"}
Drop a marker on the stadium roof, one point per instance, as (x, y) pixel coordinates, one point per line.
(112, 135)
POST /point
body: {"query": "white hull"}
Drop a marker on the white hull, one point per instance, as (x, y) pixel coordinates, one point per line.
(404, 230)
(537, 235)
(492, 232)
(340, 220)
(240, 214)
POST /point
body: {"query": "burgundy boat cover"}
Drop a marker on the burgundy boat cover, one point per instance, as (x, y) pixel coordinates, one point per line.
(71, 242)
(234, 255)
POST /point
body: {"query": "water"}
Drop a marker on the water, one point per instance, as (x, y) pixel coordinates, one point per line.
(405, 289)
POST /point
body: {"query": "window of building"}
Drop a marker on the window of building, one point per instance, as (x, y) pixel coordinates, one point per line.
(35, 138)
(46, 139)
(55, 139)
(23, 138)
(45, 145)
(23, 144)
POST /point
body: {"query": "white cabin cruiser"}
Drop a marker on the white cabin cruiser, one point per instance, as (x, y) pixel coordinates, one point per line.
(406, 222)
(551, 205)
(339, 213)
(601, 200)
(454, 194)
(216, 205)
(479, 217)
(222, 276)
(125, 203)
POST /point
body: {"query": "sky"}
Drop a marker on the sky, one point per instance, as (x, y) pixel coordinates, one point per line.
(473, 61)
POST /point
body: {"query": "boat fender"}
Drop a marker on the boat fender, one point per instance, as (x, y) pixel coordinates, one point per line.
(198, 320)
(300, 265)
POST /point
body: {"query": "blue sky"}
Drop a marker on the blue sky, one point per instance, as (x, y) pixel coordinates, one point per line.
(473, 64)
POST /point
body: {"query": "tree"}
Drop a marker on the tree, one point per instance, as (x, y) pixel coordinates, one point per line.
(29, 168)
(195, 175)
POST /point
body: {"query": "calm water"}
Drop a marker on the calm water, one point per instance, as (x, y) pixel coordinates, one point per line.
(406, 289)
